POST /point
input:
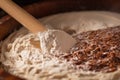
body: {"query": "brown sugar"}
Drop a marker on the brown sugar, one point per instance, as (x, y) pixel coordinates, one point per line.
(96, 50)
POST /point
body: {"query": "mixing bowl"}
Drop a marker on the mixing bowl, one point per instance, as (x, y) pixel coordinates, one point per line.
(43, 8)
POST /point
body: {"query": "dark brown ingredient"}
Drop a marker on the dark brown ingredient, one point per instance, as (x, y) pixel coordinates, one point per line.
(97, 50)
(6, 76)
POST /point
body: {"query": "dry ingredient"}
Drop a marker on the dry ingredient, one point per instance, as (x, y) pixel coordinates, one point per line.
(21, 54)
(97, 51)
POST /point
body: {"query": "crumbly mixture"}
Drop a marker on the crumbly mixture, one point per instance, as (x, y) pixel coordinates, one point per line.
(97, 50)
(22, 55)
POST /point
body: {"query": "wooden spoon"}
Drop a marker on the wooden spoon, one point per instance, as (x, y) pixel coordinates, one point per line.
(22, 16)
(35, 26)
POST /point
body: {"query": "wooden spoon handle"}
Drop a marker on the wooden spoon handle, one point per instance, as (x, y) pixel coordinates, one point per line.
(22, 16)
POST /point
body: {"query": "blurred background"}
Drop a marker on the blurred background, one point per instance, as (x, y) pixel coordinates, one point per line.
(24, 2)
(21, 3)
(111, 5)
